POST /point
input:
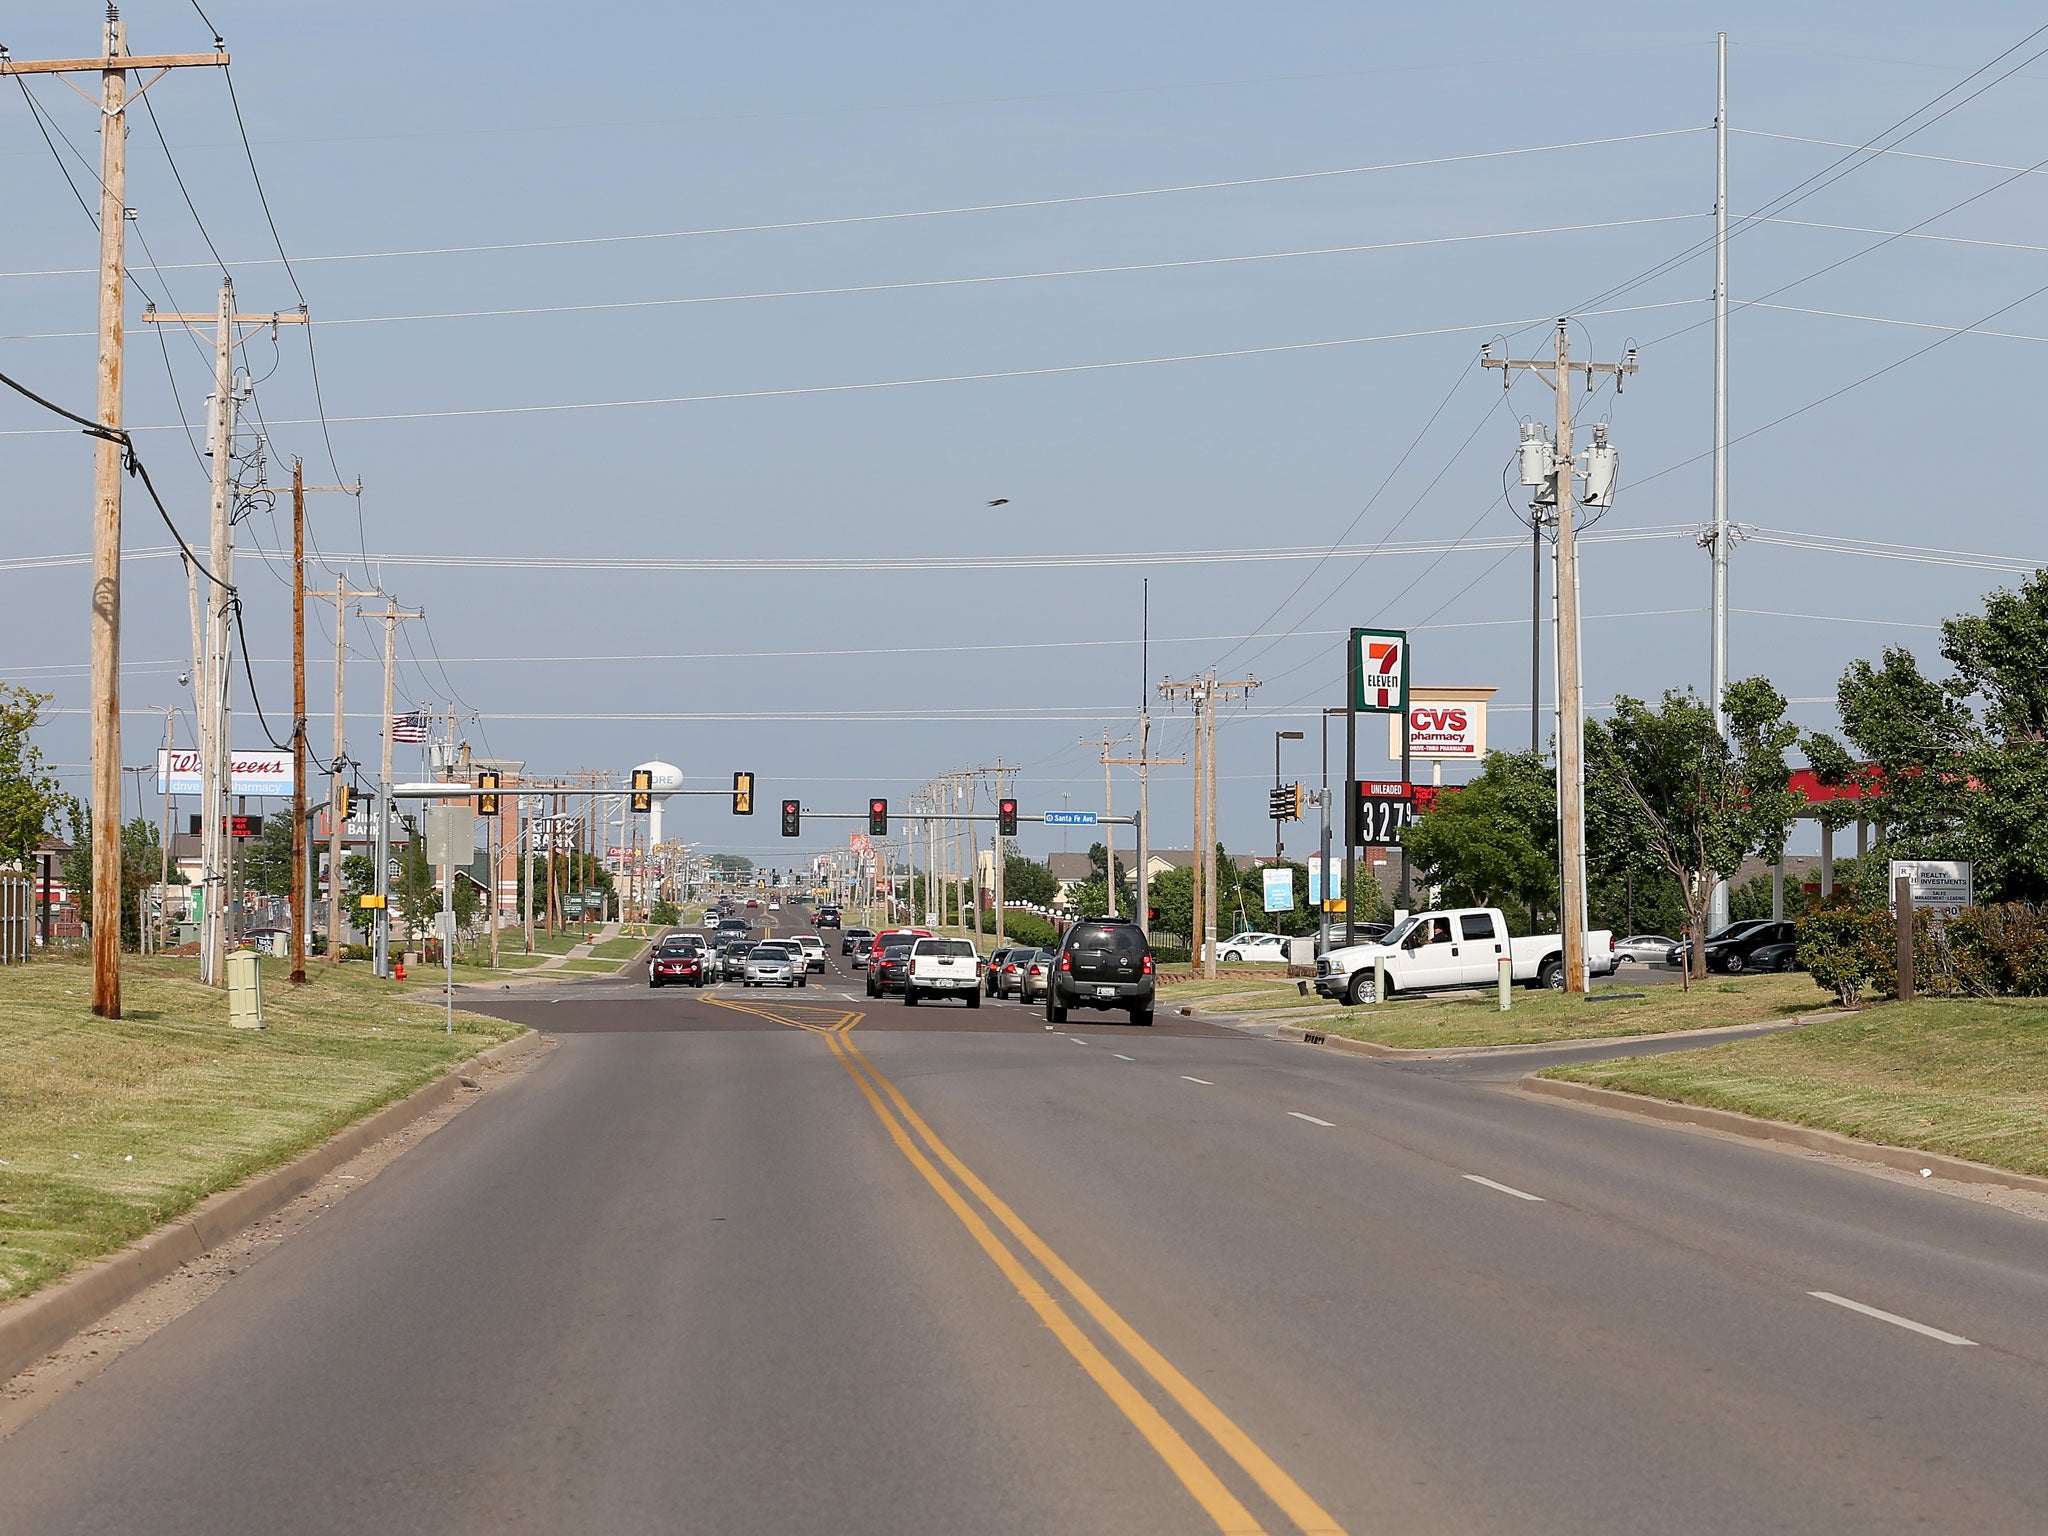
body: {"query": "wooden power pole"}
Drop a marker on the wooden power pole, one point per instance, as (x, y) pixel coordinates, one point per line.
(1557, 370)
(340, 598)
(112, 66)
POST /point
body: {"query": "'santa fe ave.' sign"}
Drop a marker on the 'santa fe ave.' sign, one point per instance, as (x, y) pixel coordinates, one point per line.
(1443, 723)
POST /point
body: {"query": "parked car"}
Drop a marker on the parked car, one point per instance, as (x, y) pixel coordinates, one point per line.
(683, 964)
(1251, 945)
(888, 969)
(1645, 948)
(992, 977)
(1775, 957)
(1729, 949)
(773, 965)
(854, 942)
(942, 968)
(1103, 962)
(813, 949)
(1034, 974)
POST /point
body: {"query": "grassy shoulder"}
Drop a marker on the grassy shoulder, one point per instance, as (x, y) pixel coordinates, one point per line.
(109, 1128)
(617, 949)
(1968, 1077)
(1537, 1017)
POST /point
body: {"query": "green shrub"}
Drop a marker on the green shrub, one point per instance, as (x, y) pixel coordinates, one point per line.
(1024, 928)
(665, 913)
(358, 952)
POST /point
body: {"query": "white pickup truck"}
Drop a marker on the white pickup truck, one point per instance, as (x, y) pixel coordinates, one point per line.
(1460, 947)
(942, 968)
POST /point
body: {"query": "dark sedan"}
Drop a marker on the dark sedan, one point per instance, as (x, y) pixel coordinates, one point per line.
(1730, 949)
(887, 974)
(854, 941)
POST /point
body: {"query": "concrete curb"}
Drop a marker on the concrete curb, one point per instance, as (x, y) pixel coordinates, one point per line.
(1456, 1052)
(31, 1328)
(1778, 1132)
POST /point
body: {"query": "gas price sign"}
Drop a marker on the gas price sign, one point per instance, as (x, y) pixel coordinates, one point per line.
(1380, 812)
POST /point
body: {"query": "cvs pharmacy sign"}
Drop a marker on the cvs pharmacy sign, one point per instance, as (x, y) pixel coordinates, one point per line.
(1443, 723)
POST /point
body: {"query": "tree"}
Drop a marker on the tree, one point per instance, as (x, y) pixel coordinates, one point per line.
(267, 861)
(414, 890)
(141, 862)
(358, 876)
(1494, 843)
(730, 864)
(29, 797)
(1954, 768)
(1025, 880)
(1697, 802)
(665, 913)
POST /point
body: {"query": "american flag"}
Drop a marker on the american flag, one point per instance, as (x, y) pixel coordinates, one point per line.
(412, 727)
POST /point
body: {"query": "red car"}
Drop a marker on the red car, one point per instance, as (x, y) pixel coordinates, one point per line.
(893, 936)
(679, 965)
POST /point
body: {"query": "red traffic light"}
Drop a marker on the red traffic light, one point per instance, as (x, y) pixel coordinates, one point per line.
(1006, 817)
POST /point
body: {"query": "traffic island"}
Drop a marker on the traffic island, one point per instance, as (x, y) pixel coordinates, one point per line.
(1966, 1078)
(1468, 1019)
(111, 1128)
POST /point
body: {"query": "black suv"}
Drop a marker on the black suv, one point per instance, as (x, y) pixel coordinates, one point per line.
(828, 917)
(1102, 963)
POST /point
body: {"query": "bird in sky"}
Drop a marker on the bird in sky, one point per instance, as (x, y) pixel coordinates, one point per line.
(1000, 501)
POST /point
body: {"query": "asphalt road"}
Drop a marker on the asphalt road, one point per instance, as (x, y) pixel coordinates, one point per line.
(739, 1261)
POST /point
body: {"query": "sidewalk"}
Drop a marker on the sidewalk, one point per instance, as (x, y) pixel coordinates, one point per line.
(581, 951)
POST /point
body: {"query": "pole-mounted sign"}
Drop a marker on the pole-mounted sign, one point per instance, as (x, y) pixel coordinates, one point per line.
(1379, 672)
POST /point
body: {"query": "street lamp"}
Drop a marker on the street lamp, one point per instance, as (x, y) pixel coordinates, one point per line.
(1278, 737)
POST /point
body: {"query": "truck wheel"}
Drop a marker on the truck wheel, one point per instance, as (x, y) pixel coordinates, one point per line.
(974, 999)
(909, 995)
(1359, 990)
(1054, 1013)
(803, 981)
(1550, 974)
(1142, 1017)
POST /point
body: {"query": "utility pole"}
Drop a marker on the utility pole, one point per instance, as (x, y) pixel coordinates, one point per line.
(110, 446)
(380, 928)
(340, 597)
(1207, 693)
(302, 905)
(1717, 680)
(214, 679)
(1558, 371)
(1105, 742)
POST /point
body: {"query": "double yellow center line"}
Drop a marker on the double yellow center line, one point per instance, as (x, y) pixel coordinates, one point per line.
(1172, 1447)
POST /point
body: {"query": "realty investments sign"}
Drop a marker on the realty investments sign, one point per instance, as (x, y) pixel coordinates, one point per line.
(1379, 671)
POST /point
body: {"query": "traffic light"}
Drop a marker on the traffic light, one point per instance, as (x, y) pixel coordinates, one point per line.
(345, 801)
(743, 794)
(1286, 802)
(792, 818)
(1006, 817)
(643, 789)
(878, 818)
(487, 803)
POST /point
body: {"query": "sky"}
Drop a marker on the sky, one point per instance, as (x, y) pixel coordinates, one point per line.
(1197, 290)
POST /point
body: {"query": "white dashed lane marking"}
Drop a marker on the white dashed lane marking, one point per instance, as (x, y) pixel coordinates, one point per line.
(1506, 1189)
(1312, 1120)
(1892, 1318)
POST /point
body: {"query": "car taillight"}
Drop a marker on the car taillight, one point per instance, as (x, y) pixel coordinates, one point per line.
(1038, 970)
(1066, 963)
(1146, 969)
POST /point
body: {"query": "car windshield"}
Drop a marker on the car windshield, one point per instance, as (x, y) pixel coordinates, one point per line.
(768, 952)
(1399, 932)
(1737, 930)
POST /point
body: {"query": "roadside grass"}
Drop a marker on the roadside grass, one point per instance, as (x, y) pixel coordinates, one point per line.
(556, 944)
(592, 967)
(1968, 1077)
(1537, 1017)
(617, 949)
(109, 1128)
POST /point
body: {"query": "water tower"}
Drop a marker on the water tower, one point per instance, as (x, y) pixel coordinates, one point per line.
(665, 779)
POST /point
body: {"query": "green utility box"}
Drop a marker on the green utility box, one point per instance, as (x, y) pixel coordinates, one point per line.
(245, 990)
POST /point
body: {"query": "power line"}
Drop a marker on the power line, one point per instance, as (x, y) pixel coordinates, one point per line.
(953, 378)
(951, 211)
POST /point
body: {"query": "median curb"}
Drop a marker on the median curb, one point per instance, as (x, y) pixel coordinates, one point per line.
(32, 1327)
(1455, 1052)
(1778, 1132)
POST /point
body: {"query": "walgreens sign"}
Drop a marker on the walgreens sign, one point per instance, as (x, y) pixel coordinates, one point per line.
(1443, 724)
(255, 773)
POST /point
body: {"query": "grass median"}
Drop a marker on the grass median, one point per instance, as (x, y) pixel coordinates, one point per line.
(1968, 1077)
(1537, 1017)
(109, 1128)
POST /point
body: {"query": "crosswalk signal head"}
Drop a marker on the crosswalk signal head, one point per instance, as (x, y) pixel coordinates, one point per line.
(1006, 817)
(643, 789)
(792, 818)
(487, 803)
(878, 818)
(743, 794)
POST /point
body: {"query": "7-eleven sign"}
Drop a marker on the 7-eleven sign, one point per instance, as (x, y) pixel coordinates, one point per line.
(1379, 671)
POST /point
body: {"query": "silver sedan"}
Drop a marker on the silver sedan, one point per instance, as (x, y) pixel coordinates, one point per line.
(773, 965)
(1644, 949)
